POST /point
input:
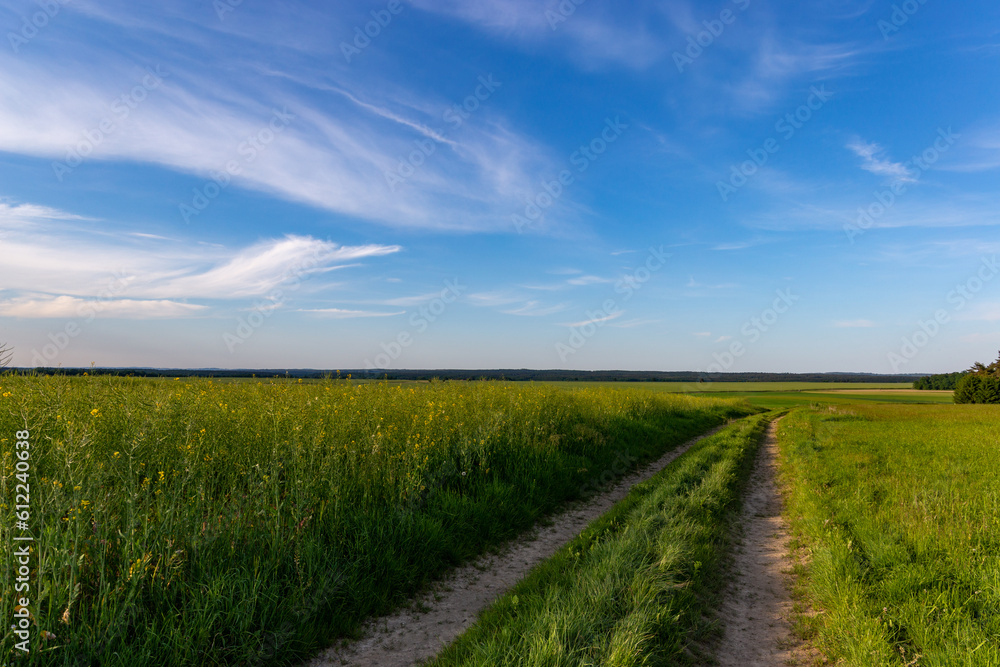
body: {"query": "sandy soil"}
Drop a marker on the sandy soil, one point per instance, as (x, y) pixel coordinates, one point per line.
(451, 606)
(756, 614)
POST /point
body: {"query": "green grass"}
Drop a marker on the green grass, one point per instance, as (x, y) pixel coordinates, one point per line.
(639, 585)
(899, 509)
(779, 395)
(251, 523)
(738, 387)
(778, 399)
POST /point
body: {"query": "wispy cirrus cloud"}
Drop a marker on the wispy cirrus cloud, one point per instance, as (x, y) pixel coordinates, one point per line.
(262, 267)
(536, 309)
(595, 320)
(53, 271)
(873, 160)
(342, 314)
(344, 133)
(592, 35)
(68, 307)
(583, 281)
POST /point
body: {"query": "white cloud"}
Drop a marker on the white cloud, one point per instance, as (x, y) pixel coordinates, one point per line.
(67, 307)
(334, 152)
(261, 268)
(872, 160)
(584, 281)
(593, 35)
(410, 301)
(596, 320)
(340, 314)
(634, 322)
(536, 309)
(492, 299)
(145, 273)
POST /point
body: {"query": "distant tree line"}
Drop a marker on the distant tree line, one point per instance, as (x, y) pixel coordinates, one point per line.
(517, 375)
(942, 382)
(981, 384)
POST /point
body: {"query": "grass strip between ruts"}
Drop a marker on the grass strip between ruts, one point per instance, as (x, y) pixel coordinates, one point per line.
(637, 586)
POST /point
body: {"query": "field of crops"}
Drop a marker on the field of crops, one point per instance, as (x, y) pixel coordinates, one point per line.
(251, 523)
(898, 508)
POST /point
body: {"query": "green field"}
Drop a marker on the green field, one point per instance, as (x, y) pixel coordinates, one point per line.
(253, 523)
(739, 387)
(777, 395)
(898, 507)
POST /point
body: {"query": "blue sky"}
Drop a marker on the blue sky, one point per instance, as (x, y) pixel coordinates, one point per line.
(649, 185)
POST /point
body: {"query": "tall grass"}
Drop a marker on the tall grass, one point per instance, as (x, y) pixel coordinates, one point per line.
(250, 523)
(639, 585)
(899, 507)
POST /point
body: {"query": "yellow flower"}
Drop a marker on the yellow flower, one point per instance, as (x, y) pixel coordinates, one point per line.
(95, 412)
(117, 455)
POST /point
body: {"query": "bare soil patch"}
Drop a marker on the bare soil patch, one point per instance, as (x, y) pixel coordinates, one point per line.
(757, 610)
(451, 606)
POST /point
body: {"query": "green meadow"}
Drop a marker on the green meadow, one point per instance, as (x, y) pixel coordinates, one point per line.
(898, 510)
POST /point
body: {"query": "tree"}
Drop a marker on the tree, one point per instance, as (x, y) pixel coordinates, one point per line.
(980, 385)
(6, 353)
